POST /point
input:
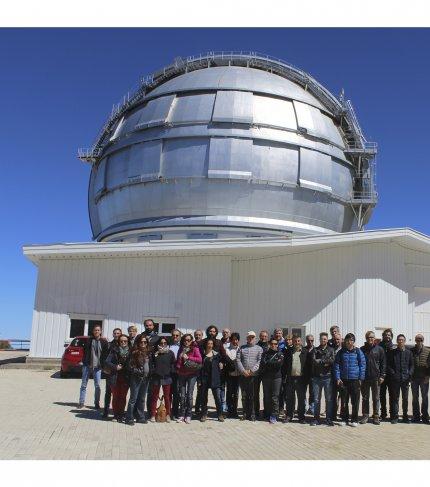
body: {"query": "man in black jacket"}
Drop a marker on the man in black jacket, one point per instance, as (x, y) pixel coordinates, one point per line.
(375, 376)
(400, 368)
(420, 380)
(322, 360)
(117, 332)
(296, 376)
(387, 345)
(95, 353)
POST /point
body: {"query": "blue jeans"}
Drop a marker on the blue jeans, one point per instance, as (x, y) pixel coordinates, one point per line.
(318, 384)
(97, 376)
(186, 389)
(136, 403)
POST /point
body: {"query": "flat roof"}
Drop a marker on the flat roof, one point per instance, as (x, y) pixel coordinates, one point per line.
(235, 247)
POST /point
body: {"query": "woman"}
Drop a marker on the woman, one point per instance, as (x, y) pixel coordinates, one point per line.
(139, 379)
(116, 363)
(271, 373)
(210, 378)
(232, 375)
(188, 367)
(162, 366)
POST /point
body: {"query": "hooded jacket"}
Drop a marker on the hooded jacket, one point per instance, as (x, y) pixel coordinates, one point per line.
(375, 361)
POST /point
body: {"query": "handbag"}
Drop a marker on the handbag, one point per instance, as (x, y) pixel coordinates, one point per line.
(190, 364)
(161, 412)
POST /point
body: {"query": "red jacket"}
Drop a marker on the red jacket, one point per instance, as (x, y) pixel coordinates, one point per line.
(194, 355)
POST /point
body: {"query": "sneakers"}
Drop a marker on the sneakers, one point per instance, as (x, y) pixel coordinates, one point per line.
(180, 419)
(354, 424)
(187, 420)
(272, 420)
(203, 418)
(130, 422)
(329, 422)
(152, 419)
(364, 420)
(342, 423)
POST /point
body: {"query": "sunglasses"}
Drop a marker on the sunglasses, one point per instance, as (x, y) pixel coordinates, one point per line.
(187, 340)
(123, 341)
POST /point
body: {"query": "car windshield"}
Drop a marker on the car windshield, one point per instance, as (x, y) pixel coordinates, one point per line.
(78, 342)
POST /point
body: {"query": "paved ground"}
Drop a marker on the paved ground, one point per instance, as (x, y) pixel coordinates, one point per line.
(39, 420)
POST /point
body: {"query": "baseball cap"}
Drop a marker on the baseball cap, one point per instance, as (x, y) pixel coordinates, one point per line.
(251, 333)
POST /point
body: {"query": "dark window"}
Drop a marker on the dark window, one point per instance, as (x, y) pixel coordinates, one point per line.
(78, 342)
(92, 324)
(77, 328)
(297, 331)
(284, 332)
(156, 327)
(168, 327)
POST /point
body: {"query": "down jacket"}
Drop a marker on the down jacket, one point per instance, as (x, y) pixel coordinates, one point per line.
(350, 364)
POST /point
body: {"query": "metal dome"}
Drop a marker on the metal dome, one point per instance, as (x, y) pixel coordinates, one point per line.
(228, 145)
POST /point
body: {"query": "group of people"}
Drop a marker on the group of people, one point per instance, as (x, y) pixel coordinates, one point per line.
(292, 374)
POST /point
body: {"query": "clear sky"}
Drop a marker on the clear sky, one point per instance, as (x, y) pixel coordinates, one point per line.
(57, 86)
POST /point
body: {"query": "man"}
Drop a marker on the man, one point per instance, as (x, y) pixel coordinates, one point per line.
(297, 365)
(212, 332)
(387, 345)
(174, 347)
(420, 380)
(117, 332)
(321, 370)
(278, 335)
(309, 347)
(289, 341)
(247, 363)
(95, 353)
(334, 330)
(350, 370)
(400, 369)
(232, 375)
(225, 340)
(132, 334)
(198, 336)
(374, 377)
(150, 332)
(337, 340)
(263, 342)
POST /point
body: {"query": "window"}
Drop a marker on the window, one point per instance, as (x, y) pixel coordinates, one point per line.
(299, 330)
(83, 325)
(164, 326)
(79, 342)
(77, 328)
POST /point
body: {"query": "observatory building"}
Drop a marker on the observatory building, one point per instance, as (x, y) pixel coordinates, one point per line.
(231, 189)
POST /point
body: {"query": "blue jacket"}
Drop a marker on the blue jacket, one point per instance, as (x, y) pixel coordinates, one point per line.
(349, 365)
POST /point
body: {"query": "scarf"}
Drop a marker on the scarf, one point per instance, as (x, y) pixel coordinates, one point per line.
(161, 349)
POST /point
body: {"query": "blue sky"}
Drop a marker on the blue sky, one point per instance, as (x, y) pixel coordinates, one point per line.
(58, 85)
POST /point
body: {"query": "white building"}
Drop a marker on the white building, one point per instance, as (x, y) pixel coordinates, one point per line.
(361, 281)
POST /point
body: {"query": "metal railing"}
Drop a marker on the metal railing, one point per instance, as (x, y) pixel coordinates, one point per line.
(16, 343)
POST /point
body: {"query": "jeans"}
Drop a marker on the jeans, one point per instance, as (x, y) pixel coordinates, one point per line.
(247, 388)
(216, 392)
(186, 389)
(232, 394)
(383, 389)
(155, 392)
(350, 390)
(257, 386)
(97, 376)
(318, 385)
(174, 389)
(311, 400)
(295, 386)
(271, 388)
(367, 386)
(416, 386)
(108, 396)
(395, 388)
(197, 405)
(223, 391)
(136, 403)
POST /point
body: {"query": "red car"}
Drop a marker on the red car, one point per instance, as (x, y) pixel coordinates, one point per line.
(71, 360)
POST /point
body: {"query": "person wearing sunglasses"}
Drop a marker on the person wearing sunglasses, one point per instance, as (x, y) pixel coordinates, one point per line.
(117, 363)
(420, 380)
(138, 367)
(188, 366)
(174, 389)
(271, 376)
(162, 365)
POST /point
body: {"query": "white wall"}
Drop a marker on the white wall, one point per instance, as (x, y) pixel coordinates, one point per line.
(125, 291)
(359, 287)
